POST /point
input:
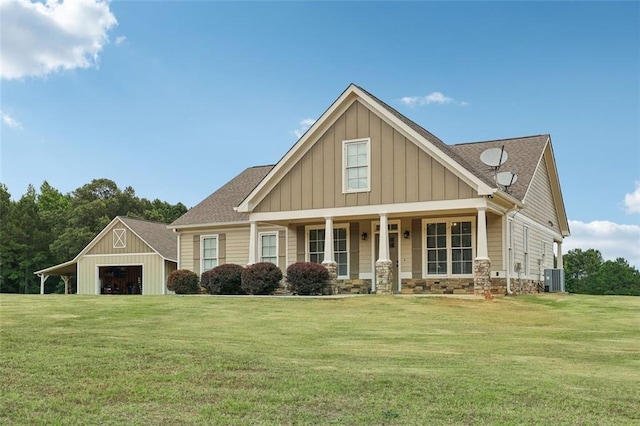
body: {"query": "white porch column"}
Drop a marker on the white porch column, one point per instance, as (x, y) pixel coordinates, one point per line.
(560, 264)
(43, 278)
(328, 241)
(383, 248)
(482, 251)
(253, 237)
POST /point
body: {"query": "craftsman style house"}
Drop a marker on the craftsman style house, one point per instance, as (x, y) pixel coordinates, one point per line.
(388, 207)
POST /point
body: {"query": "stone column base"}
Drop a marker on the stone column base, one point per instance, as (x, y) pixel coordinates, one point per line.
(332, 282)
(482, 277)
(383, 277)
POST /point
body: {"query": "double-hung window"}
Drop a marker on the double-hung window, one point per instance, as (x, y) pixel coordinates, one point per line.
(269, 247)
(209, 252)
(315, 248)
(449, 247)
(356, 161)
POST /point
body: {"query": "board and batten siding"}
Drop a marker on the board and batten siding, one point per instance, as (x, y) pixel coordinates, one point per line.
(133, 244)
(539, 199)
(153, 268)
(494, 241)
(400, 171)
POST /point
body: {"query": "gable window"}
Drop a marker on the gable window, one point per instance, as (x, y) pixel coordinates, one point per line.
(119, 238)
(209, 252)
(315, 248)
(449, 247)
(356, 162)
(269, 247)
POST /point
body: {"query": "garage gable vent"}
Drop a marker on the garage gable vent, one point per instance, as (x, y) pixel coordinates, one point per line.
(119, 238)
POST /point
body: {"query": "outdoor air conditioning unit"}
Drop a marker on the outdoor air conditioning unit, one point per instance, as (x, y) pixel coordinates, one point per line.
(554, 280)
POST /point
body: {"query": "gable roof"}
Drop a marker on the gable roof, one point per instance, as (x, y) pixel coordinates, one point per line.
(219, 207)
(156, 235)
(425, 140)
(524, 153)
(233, 202)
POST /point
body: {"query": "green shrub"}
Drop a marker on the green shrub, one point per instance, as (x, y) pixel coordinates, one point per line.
(307, 278)
(223, 279)
(183, 281)
(261, 278)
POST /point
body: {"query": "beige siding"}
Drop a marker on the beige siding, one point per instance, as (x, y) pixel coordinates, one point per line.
(405, 248)
(400, 171)
(133, 244)
(233, 246)
(186, 251)
(153, 269)
(366, 247)
(539, 199)
(494, 241)
(537, 261)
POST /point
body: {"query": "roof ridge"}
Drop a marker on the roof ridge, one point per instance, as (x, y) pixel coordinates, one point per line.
(500, 140)
(141, 220)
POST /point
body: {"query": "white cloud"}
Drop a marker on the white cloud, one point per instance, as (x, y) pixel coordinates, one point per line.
(41, 38)
(613, 240)
(120, 40)
(304, 126)
(431, 98)
(632, 200)
(10, 121)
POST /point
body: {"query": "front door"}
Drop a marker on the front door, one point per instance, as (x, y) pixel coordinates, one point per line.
(393, 255)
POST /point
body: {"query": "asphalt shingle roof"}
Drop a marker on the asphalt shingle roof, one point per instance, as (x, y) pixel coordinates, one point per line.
(523, 155)
(219, 206)
(523, 152)
(156, 234)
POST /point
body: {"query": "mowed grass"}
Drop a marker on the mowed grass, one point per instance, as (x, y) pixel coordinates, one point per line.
(140, 360)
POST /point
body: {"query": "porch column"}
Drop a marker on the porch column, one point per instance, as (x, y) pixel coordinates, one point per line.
(253, 237)
(43, 278)
(482, 263)
(66, 279)
(482, 252)
(383, 263)
(560, 263)
(329, 261)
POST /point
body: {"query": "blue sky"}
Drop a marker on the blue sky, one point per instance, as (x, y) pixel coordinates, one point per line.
(176, 98)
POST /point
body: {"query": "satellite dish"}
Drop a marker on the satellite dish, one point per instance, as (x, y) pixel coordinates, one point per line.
(506, 179)
(494, 157)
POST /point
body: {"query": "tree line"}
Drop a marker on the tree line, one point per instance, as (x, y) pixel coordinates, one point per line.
(44, 228)
(586, 272)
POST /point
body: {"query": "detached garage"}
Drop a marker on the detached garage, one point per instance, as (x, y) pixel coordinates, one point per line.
(130, 256)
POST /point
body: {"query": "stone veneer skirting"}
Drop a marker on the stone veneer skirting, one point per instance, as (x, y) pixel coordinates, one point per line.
(433, 286)
(442, 286)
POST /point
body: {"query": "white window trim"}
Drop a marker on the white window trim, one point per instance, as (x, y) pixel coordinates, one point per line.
(448, 221)
(202, 238)
(260, 235)
(307, 255)
(119, 238)
(345, 190)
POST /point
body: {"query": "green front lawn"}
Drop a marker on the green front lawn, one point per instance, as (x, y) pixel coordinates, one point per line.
(548, 359)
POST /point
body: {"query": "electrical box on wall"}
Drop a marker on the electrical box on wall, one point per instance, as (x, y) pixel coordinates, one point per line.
(499, 274)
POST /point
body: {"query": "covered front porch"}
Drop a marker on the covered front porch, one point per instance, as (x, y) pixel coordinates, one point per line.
(441, 251)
